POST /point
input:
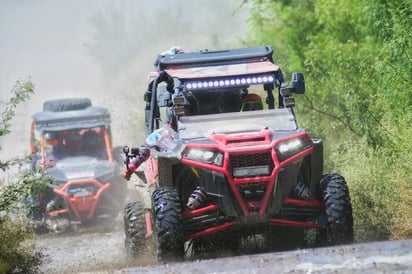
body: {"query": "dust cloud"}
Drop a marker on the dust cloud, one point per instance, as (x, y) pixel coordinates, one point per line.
(101, 49)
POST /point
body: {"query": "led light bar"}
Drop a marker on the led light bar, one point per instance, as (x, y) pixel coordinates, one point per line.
(229, 82)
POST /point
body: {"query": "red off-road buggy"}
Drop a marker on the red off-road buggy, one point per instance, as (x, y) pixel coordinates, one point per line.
(232, 173)
(71, 140)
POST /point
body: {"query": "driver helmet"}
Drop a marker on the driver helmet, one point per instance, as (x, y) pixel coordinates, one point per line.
(50, 139)
(252, 102)
(161, 139)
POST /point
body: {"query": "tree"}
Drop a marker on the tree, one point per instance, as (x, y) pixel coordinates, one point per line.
(356, 56)
(17, 250)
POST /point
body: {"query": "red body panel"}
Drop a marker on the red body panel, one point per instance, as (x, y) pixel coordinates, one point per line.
(233, 145)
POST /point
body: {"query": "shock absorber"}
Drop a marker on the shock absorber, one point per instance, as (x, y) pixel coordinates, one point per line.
(54, 203)
(197, 197)
(302, 191)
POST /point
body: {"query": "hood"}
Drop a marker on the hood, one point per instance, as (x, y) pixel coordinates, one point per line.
(202, 126)
(81, 167)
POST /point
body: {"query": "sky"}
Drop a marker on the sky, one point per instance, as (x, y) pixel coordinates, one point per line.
(103, 50)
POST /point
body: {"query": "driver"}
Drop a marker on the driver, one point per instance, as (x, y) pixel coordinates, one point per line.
(160, 139)
(252, 102)
(54, 146)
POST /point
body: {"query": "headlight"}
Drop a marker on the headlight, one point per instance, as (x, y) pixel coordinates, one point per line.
(204, 156)
(292, 147)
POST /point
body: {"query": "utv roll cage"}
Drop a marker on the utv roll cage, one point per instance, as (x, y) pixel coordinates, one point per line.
(219, 71)
(71, 140)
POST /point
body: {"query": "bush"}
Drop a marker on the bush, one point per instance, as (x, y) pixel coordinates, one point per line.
(17, 248)
(356, 56)
(18, 253)
(380, 192)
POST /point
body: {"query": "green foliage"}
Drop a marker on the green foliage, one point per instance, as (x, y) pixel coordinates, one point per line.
(22, 90)
(17, 250)
(18, 253)
(356, 56)
(375, 197)
(27, 183)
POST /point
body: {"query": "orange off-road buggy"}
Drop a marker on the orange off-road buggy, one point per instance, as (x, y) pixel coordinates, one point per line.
(71, 141)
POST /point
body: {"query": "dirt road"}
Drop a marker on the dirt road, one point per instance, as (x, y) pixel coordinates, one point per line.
(86, 252)
(103, 252)
(380, 257)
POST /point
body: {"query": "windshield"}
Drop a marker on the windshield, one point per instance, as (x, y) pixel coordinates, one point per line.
(70, 143)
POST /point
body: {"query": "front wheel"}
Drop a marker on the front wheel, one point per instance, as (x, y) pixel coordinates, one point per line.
(338, 209)
(134, 229)
(168, 241)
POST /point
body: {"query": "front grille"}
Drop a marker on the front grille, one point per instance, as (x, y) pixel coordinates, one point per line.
(251, 160)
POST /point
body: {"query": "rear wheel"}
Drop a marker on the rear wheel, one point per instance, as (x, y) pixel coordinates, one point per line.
(134, 229)
(169, 244)
(338, 210)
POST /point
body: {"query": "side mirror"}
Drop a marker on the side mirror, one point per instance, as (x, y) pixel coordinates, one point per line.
(164, 97)
(297, 84)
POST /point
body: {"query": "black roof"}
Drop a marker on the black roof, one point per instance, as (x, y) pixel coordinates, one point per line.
(207, 58)
(73, 119)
